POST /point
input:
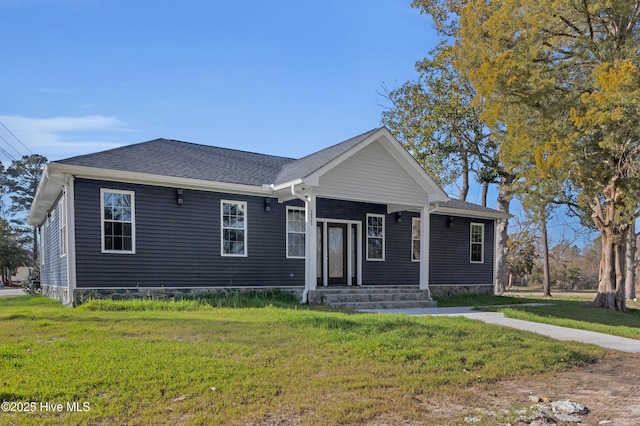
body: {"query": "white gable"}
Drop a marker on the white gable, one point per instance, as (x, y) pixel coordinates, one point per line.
(372, 174)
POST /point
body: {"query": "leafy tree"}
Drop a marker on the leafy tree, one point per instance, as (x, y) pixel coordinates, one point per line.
(12, 254)
(561, 80)
(522, 255)
(23, 177)
(437, 121)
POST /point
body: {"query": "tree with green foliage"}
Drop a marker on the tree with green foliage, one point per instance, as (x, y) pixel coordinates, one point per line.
(561, 80)
(437, 121)
(434, 119)
(23, 178)
(522, 255)
(12, 253)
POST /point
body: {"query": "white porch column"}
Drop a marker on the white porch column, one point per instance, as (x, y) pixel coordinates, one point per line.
(311, 245)
(424, 248)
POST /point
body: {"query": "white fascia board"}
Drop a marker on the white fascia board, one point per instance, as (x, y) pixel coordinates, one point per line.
(159, 180)
(285, 186)
(47, 194)
(445, 211)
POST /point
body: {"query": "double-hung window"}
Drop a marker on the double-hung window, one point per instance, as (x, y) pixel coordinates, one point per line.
(296, 232)
(118, 221)
(477, 243)
(233, 216)
(375, 237)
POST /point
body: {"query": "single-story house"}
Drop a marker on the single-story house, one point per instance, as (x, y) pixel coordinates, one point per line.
(166, 217)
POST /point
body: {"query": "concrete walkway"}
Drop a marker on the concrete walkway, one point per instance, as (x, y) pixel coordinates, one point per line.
(11, 291)
(553, 331)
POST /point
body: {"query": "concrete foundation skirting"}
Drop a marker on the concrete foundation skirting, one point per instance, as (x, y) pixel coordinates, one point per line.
(56, 293)
(455, 290)
(81, 295)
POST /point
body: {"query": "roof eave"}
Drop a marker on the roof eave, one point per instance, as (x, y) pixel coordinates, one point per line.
(48, 191)
(496, 214)
(54, 176)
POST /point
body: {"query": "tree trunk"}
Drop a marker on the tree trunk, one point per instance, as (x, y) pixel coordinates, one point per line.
(611, 294)
(465, 177)
(504, 201)
(630, 266)
(485, 191)
(546, 276)
(607, 218)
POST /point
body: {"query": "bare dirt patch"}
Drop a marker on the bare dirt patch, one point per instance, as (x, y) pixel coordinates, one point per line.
(610, 389)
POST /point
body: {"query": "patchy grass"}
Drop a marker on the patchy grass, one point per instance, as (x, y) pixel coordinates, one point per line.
(252, 299)
(199, 364)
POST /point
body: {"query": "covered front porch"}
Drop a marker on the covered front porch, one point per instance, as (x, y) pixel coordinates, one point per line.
(366, 215)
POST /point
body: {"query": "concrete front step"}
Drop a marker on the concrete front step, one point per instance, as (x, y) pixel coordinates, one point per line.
(411, 296)
(384, 305)
(372, 297)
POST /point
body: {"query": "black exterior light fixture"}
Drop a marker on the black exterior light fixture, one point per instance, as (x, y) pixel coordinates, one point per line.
(180, 196)
(399, 217)
(267, 204)
(450, 221)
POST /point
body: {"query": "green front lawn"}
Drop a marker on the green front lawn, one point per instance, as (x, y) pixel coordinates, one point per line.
(188, 362)
(565, 312)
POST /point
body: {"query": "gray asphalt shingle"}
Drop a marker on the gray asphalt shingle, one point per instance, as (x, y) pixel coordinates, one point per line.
(166, 157)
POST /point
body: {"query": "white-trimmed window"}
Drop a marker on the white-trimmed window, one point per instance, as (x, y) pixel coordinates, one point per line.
(296, 235)
(415, 239)
(62, 224)
(375, 237)
(477, 243)
(118, 221)
(233, 216)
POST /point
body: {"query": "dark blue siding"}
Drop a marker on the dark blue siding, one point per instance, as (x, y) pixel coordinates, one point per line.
(179, 245)
(450, 261)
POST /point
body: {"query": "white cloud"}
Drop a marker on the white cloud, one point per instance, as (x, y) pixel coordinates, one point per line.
(62, 137)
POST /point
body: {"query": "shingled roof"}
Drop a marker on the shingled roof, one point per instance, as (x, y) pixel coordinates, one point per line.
(309, 164)
(166, 157)
(185, 160)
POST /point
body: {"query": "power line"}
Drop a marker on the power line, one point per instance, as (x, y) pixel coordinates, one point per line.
(13, 147)
(16, 138)
(4, 151)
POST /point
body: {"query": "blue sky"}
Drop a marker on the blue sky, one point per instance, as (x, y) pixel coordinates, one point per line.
(280, 77)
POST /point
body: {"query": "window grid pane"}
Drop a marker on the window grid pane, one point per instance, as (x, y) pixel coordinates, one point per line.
(296, 232)
(118, 221)
(375, 237)
(477, 243)
(415, 239)
(233, 228)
